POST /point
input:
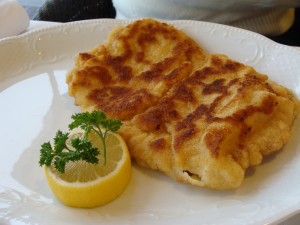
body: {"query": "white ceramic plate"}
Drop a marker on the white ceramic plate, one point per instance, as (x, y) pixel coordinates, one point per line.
(34, 104)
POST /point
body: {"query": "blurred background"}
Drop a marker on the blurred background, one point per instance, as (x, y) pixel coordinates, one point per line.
(32, 6)
(73, 10)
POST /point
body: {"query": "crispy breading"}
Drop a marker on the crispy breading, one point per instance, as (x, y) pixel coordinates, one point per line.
(200, 119)
(133, 69)
(213, 125)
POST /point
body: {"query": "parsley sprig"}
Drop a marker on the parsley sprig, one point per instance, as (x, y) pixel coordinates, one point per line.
(81, 148)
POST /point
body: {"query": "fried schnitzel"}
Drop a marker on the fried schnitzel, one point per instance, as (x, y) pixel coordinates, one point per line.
(199, 118)
(134, 68)
(213, 125)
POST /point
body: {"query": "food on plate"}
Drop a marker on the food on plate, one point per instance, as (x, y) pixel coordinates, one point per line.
(203, 119)
(214, 124)
(138, 65)
(91, 165)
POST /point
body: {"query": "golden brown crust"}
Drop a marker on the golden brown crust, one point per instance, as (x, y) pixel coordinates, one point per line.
(133, 69)
(200, 119)
(220, 119)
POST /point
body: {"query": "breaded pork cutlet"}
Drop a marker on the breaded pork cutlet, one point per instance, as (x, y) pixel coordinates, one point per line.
(200, 119)
(213, 125)
(133, 69)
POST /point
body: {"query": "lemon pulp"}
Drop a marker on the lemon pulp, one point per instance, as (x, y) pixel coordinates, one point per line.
(89, 185)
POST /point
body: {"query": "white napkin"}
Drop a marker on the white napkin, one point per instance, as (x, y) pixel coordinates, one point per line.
(13, 18)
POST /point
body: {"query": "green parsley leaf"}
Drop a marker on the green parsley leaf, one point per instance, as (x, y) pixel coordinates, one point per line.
(79, 148)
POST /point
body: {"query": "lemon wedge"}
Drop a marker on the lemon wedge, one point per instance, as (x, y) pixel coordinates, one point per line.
(87, 185)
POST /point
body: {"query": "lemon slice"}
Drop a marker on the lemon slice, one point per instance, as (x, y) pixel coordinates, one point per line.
(87, 185)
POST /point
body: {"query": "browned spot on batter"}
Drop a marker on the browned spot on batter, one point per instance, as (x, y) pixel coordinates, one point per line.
(231, 66)
(121, 102)
(145, 39)
(152, 120)
(85, 56)
(158, 144)
(124, 72)
(140, 58)
(197, 78)
(184, 136)
(213, 139)
(98, 73)
(267, 106)
(183, 93)
(217, 86)
(189, 119)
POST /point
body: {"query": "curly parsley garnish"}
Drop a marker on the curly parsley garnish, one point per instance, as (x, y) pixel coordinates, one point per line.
(82, 148)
